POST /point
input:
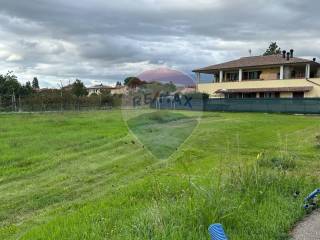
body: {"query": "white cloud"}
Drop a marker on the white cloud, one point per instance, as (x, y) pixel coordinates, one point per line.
(14, 58)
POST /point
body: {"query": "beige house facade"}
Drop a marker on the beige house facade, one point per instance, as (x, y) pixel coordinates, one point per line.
(273, 76)
(98, 89)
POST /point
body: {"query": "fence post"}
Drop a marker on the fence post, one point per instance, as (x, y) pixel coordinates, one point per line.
(19, 103)
(14, 104)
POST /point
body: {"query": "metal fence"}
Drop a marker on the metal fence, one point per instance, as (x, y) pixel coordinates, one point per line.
(43, 104)
(267, 105)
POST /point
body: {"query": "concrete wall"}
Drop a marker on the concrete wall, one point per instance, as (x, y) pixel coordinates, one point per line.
(211, 88)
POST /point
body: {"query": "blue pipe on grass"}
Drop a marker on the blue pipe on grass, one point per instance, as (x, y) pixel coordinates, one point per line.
(309, 201)
(312, 195)
(216, 232)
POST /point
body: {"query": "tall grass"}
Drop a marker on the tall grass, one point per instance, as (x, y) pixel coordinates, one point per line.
(91, 182)
(251, 202)
(281, 160)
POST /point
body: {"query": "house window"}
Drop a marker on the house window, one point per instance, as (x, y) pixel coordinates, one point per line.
(298, 94)
(249, 95)
(312, 74)
(270, 95)
(233, 95)
(251, 75)
(232, 77)
(299, 75)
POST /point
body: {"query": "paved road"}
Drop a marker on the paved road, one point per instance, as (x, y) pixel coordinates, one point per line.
(309, 228)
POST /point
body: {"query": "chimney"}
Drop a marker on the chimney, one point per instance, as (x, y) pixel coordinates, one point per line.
(314, 59)
(291, 53)
(288, 56)
(284, 53)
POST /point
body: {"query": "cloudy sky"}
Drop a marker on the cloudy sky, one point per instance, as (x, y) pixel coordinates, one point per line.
(106, 41)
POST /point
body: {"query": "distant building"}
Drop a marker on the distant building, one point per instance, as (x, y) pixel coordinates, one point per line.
(118, 90)
(273, 76)
(187, 90)
(97, 89)
(68, 87)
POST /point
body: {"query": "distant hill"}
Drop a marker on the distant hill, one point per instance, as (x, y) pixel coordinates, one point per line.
(166, 75)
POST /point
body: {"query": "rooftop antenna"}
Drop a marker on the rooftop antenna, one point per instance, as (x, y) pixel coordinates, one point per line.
(250, 52)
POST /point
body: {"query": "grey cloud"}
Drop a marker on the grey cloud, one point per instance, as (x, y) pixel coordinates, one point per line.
(107, 40)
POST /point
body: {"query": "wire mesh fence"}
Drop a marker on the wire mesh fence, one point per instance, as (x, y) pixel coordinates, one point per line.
(47, 104)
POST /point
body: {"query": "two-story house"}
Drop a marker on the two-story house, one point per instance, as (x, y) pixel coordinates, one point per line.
(273, 76)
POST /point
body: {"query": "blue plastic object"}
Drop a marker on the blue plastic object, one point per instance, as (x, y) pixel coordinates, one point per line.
(312, 195)
(310, 200)
(216, 232)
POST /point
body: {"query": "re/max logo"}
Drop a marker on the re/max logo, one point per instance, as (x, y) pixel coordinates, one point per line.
(148, 98)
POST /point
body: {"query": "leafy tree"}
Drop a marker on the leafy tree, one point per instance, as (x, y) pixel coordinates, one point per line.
(26, 89)
(9, 84)
(272, 49)
(78, 89)
(133, 82)
(171, 87)
(35, 83)
(127, 80)
(2, 83)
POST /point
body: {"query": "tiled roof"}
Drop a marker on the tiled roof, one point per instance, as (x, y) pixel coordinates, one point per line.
(255, 61)
(274, 89)
(99, 87)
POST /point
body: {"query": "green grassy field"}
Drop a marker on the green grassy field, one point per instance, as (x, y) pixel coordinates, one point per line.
(86, 176)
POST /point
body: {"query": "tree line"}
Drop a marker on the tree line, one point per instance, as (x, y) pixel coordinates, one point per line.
(9, 85)
(15, 96)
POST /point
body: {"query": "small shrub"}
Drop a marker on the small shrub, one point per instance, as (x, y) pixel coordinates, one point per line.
(281, 160)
